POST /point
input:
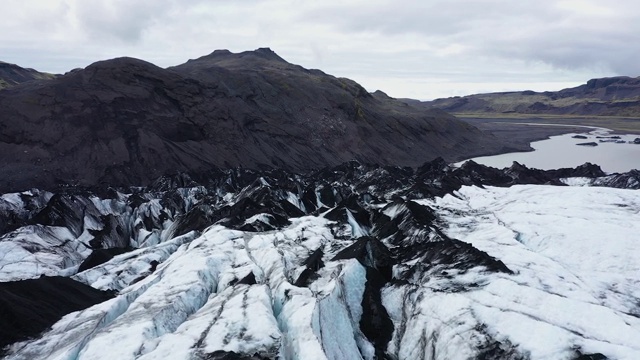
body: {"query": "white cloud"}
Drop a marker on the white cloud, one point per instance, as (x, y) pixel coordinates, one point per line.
(422, 49)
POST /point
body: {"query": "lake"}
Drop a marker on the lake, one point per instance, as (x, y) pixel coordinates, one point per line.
(561, 152)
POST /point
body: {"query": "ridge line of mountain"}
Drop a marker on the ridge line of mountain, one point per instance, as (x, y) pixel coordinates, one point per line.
(126, 121)
(611, 96)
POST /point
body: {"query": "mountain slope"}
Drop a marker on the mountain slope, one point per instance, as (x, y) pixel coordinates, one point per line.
(125, 122)
(11, 75)
(615, 96)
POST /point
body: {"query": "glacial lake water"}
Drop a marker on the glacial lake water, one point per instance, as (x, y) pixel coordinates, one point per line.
(561, 151)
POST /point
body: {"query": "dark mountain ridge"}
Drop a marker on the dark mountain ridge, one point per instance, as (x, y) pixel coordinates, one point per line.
(11, 75)
(612, 96)
(125, 122)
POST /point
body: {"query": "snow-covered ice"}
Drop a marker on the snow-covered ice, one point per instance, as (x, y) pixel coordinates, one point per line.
(520, 272)
(576, 257)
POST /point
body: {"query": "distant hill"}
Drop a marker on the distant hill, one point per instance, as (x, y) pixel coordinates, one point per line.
(614, 96)
(126, 121)
(11, 75)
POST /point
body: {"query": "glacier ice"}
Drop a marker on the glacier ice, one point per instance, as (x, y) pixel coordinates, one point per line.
(353, 263)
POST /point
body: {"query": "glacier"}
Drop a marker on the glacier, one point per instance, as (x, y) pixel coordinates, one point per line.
(352, 262)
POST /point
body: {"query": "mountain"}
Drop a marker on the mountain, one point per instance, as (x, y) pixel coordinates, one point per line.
(11, 75)
(125, 122)
(614, 96)
(351, 262)
(214, 210)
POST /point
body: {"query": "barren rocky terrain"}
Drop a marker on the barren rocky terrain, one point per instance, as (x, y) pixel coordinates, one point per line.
(125, 122)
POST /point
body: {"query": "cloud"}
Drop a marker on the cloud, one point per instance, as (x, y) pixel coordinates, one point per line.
(424, 49)
(567, 34)
(117, 19)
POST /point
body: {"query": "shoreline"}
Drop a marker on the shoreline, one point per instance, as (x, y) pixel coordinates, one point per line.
(618, 125)
(521, 133)
(519, 136)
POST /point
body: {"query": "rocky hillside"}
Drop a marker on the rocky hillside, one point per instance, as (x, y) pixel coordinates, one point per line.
(11, 75)
(126, 121)
(615, 96)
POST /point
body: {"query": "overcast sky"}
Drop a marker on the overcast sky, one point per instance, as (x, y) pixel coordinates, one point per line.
(420, 49)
